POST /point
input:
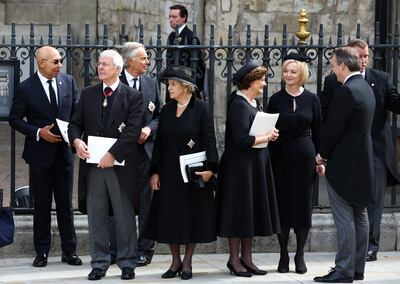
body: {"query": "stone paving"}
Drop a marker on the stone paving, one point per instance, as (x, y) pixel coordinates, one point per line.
(207, 268)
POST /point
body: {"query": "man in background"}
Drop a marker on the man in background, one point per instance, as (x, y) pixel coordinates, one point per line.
(133, 75)
(178, 16)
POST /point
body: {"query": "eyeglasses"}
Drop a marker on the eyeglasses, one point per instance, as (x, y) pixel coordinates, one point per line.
(55, 61)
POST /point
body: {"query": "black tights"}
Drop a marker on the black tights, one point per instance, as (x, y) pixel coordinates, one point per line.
(301, 239)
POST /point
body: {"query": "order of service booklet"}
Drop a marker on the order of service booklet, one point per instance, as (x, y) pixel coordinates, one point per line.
(263, 122)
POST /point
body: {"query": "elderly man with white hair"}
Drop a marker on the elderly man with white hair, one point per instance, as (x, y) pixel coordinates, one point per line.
(109, 110)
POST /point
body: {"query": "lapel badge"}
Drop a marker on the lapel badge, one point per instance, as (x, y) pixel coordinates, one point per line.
(121, 127)
(372, 84)
(191, 143)
(151, 106)
(60, 83)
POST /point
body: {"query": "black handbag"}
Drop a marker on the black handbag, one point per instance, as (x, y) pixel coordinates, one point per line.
(6, 223)
(191, 170)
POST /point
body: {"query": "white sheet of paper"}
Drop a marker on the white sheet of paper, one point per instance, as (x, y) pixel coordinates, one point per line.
(98, 146)
(190, 159)
(63, 126)
(263, 122)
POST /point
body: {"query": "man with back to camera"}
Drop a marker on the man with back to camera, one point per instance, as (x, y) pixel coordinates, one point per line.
(385, 169)
(38, 101)
(178, 16)
(133, 75)
(109, 110)
(346, 150)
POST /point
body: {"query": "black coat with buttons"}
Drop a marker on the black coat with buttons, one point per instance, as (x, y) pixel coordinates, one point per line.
(180, 212)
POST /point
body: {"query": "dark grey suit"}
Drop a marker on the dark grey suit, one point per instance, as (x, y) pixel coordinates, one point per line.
(151, 113)
(385, 169)
(347, 144)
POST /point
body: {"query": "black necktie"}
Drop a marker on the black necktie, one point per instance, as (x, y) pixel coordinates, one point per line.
(53, 100)
(134, 83)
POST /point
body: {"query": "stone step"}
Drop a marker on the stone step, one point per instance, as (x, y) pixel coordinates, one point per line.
(322, 237)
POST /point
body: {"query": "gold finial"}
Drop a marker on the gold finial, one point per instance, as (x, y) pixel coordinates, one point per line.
(302, 34)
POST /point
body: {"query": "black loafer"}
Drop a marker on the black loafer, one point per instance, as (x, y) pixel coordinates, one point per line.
(127, 273)
(143, 260)
(333, 277)
(371, 256)
(71, 259)
(358, 276)
(96, 274)
(40, 260)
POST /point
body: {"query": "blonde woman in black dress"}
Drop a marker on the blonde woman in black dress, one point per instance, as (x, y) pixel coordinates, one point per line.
(293, 156)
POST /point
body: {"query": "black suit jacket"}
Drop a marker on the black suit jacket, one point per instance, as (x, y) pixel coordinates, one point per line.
(151, 107)
(185, 55)
(387, 98)
(30, 102)
(126, 108)
(346, 141)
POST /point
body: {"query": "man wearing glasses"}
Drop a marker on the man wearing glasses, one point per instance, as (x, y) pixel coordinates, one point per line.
(38, 101)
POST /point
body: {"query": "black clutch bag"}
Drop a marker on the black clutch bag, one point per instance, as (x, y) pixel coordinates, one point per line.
(198, 180)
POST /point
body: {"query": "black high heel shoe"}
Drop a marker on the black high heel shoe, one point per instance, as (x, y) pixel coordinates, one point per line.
(283, 266)
(172, 273)
(237, 273)
(300, 264)
(253, 271)
(186, 275)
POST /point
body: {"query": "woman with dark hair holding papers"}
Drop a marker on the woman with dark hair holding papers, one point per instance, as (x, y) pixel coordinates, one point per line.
(182, 213)
(246, 195)
(293, 156)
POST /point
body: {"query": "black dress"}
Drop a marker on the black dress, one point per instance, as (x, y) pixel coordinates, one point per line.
(180, 213)
(293, 155)
(246, 198)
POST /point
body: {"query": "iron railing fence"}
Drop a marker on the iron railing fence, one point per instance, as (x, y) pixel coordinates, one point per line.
(221, 58)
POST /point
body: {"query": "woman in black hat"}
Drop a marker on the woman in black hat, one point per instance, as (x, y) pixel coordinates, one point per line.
(182, 213)
(293, 156)
(246, 196)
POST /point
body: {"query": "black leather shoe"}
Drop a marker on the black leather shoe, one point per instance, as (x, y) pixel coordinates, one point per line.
(127, 273)
(237, 273)
(358, 276)
(186, 275)
(71, 259)
(96, 274)
(253, 271)
(172, 273)
(371, 256)
(333, 277)
(143, 260)
(40, 260)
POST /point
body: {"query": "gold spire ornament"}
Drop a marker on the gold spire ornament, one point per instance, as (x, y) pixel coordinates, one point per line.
(302, 34)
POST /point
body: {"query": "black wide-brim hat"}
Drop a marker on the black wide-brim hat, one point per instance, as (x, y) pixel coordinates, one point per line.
(178, 73)
(246, 69)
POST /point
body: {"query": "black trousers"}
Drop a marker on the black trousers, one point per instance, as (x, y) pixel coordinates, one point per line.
(56, 180)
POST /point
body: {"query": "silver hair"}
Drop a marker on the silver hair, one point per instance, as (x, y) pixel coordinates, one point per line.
(129, 50)
(116, 57)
